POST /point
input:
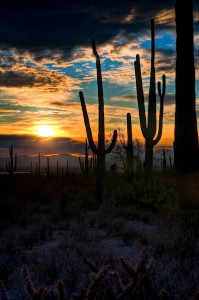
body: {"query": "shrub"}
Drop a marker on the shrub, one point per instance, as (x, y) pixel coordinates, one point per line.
(150, 196)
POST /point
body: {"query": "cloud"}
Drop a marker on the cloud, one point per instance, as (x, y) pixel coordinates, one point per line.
(15, 72)
(58, 24)
(124, 98)
(32, 145)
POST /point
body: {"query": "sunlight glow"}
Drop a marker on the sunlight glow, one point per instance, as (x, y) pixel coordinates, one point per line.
(45, 130)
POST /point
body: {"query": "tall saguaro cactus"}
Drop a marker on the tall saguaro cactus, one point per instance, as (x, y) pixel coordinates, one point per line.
(100, 151)
(149, 129)
(12, 165)
(186, 153)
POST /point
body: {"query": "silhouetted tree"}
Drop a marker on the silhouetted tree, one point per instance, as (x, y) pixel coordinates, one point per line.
(149, 129)
(86, 165)
(186, 153)
(119, 153)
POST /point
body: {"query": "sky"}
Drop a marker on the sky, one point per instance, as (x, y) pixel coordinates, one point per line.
(46, 59)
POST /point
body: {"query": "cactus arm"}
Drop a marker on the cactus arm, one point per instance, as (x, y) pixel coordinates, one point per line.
(87, 124)
(161, 94)
(113, 142)
(152, 89)
(140, 96)
(101, 128)
(99, 74)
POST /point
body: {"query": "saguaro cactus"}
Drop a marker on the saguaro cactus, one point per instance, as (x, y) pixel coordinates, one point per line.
(38, 166)
(186, 153)
(129, 148)
(67, 168)
(149, 129)
(47, 169)
(57, 169)
(100, 151)
(170, 162)
(164, 164)
(94, 159)
(12, 165)
(86, 165)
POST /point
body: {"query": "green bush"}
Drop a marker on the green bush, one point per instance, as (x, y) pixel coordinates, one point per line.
(152, 195)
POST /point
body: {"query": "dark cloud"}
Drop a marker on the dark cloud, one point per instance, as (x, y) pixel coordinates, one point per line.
(25, 144)
(58, 104)
(29, 79)
(16, 79)
(64, 24)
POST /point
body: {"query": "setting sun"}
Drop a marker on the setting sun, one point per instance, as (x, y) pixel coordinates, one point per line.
(45, 131)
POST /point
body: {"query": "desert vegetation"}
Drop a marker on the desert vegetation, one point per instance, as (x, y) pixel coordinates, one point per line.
(57, 239)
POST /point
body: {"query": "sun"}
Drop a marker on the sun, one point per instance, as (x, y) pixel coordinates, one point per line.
(45, 130)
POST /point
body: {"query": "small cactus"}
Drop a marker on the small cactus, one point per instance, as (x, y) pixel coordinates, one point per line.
(47, 169)
(129, 148)
(170, 161)
(57, 169)
(12, 165)
(67, 169)
(164, 163)
(38, 166)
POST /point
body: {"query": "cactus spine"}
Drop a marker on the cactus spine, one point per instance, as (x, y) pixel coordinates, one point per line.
(149, 130)
(100, 151)
(12, 165)
(86, 165)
